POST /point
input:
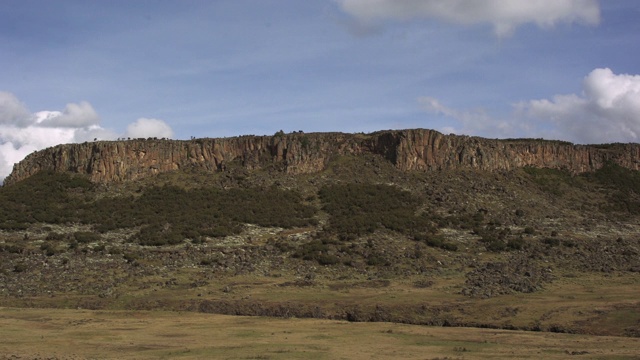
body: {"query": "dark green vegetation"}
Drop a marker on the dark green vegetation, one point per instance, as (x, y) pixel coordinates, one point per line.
(162, 215)
(359, 209)
(531, 249)
(622, 185)
(43, 198)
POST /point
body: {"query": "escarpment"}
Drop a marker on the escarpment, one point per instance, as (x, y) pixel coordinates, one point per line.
(297, 153)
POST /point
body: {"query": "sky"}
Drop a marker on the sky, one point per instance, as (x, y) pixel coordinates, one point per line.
(78, 70)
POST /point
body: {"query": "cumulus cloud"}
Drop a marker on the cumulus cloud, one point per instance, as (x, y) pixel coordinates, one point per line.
(12, 111)
(23, 132)
(9, 155)
(607, 110)
(504, 16)
(74, 116)
(475, 121)
(17, 140)
(144, 127)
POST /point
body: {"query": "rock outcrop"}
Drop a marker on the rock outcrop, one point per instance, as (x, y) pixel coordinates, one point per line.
(295, 153)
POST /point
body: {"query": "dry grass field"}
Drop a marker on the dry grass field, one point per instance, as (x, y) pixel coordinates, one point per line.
(85, 334)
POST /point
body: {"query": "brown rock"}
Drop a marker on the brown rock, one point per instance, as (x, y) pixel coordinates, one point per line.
(408, 150)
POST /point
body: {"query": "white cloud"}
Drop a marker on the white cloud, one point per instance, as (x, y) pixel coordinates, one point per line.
(144, 127)
(12, 111)
(23, 132)
(93, 132)
(504, 16)
(476, 121)
(74, 116)
(607, 110)
(9, 155)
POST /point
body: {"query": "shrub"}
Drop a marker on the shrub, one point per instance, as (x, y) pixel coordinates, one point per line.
(49, 250)
(98, 248)
(84, 237)
(359, 209)
(515, 244)
(327, 259)
(20, 267)
(12, 225)
(553, 181)
(206, 261)
(43, 197)
(436, 241)
(422, 284)
(54, 236)
(624, 185)
(11, 248)
(312, 250)
(496, 246)
(449, 247)
(377, 260)
(283, 246)
(131, 257)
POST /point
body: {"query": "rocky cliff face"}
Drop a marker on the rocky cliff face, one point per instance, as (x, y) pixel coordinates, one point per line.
(408, 150)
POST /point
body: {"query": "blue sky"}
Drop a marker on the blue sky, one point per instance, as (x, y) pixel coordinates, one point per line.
(76, 70)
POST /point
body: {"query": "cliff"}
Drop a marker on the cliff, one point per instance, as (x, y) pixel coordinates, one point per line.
(408, 150)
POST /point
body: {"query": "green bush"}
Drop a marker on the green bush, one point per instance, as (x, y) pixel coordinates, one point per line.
(359, 209)
(515, 244)
(624, 186)
(20, 267)
(377, 260)
(311, 250)
(553, 181)
(131, 257)
(618, 177)
(12, 225)
(54, 236)
(436, 241)
(43, 197)
(11, 248)
(496, 246)
(157, 235)
(191, 214)
(321, 251)
(84, 237)
(327, 259)
(48, 248)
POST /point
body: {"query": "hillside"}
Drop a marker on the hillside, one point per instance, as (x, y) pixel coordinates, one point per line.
(403, 226)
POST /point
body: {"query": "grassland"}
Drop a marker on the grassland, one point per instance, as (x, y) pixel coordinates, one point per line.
(80, 334)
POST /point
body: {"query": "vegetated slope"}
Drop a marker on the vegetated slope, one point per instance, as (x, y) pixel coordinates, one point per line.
(361, 240)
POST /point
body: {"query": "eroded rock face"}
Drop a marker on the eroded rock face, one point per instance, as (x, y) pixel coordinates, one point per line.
(408, 150)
